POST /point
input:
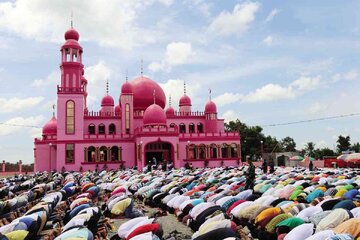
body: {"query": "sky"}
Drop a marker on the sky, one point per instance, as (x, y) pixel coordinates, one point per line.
(265, 62)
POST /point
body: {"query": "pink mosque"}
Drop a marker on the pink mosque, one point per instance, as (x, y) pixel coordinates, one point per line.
(133, 132)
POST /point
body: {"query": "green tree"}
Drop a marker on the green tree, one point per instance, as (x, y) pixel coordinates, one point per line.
(309, 148)
(343, 143)
(356, 147)
(251, 137)
(323, 152)
(288, 144)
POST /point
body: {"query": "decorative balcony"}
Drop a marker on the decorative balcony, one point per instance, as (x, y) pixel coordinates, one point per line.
(99, 114)
(70, 89)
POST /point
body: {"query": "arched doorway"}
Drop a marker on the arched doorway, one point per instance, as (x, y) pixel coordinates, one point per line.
(160, 151)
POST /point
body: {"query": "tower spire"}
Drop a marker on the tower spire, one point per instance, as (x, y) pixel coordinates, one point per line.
(154, 95)
(184, 88)
(71, 18)
(53, 107)
(107, 86)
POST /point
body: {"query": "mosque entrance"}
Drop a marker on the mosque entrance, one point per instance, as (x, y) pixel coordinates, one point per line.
(159, 152)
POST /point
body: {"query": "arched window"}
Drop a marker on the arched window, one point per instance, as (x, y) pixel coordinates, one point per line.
(127, 118)
(191, 128)
(91, 129)
(103, 154)
(213, 151)
(91, 154)
(115, 153)
(101, 129)
(112, 129)
(69, 154)
(172, 125)
(224, 150)
(202, 151)
(192, 151)
(182, 128)
(200, 128)
(70, 117)
(234, 150)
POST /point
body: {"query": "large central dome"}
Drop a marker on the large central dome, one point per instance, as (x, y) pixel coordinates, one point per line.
(143, 93)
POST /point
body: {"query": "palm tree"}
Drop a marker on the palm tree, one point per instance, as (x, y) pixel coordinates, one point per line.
(309, 148)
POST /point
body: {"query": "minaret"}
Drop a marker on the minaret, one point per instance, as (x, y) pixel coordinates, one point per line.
(71, 92)
(127, 108)
(211, 122)
(185, 103)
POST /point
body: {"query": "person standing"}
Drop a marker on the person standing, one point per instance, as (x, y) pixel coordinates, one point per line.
(271, 166)
(250, 175)
(264, 167)
(311, 166)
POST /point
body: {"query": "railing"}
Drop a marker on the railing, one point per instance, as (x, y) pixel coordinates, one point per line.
(101, 114)
(106, 136)
(158, 129)
(70, 89)
(189, 114)
(217, 134)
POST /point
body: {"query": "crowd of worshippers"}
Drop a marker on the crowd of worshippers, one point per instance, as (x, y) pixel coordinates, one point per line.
(290, 203)
(229, 203)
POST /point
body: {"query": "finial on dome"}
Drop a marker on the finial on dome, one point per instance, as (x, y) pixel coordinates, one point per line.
(126, 75)
(169, 100)
(53, 107)
(71, 18)
(210, 94)
(107, 86)
(142, 67)
(184, 88)
(154, 95)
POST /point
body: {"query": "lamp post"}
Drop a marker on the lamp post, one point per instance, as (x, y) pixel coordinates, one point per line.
(187, 149)
(262, 149)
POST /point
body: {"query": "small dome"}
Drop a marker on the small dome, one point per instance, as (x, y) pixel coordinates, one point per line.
(210, 107)
(72, 34)
(170, 111)
(126, 88)
(71, 44)
(154, 115)
(50, 128)
(185, 101)
(107, 101)
(117, 109)
(83, 80)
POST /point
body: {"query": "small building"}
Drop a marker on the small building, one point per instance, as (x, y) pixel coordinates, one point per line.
(136, 130)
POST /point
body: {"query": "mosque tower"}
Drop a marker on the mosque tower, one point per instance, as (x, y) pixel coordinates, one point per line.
(127, 108)
(185, 103)
(71, 93)
(211, 122)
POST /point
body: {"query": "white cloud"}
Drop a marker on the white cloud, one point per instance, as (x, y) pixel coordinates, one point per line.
(18, 124)
(272, 14)
(270, 92)
(96, 76)
(317, 108)
(227, 98)
(18, 104)
(174, 88)
(306, 83)
(177, 53)
(115, 22)
(350, 75)
(200, 5)
(268, 40)
(230, 115)
(52, 79)
(235, 22)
